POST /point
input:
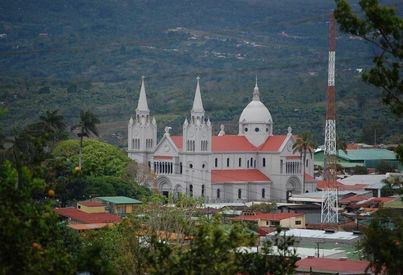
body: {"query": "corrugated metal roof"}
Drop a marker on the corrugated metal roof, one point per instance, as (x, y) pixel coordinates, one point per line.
(367, 154)
(119, 200)
(318, 234)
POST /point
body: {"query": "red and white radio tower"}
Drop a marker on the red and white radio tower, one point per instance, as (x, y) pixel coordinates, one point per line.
(329, 212)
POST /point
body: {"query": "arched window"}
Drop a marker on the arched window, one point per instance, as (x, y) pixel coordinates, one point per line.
(190, 166)
(263, 193)
(191, 190)
(216, 162)
(240, 162)
(306, 163)
(264, 162)
(202, 191)
(239, 193)
(227, 162)
(218, 193)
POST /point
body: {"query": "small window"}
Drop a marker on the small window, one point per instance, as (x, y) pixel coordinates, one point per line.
(191, 190)
(256, 129)
(202, 191)
(239, 193)
(267, 222)
(218, 193)
(306, 164)
(263, 193)
(203, 165)
(246, 129)
(247, 164)
(227, 162)
(297, 222)
(180, 168)
(190, 166)
(240, 162)
(264, 162)
(216, 162)
(267, 129)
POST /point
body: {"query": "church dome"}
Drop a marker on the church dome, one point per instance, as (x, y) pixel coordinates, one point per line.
(255, 112)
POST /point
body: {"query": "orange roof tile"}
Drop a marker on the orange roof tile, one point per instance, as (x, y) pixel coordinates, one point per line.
(84, 217)
(267, 216)
(309, 177)
(238, 175)
(273, 143)
(332, 265)
(178, 140)
(354, 198)
(92, 203)
(231, 143)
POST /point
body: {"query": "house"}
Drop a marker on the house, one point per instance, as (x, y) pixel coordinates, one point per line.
(119, 205)
(284, 220)
(91, 206)
(313, 265)
(76, 216)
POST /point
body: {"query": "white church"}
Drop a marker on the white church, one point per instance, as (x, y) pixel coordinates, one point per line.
(254, 165)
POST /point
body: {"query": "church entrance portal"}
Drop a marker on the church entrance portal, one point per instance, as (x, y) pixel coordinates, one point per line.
(293, 186)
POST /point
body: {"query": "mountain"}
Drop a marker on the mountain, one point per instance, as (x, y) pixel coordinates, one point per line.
(74, 54)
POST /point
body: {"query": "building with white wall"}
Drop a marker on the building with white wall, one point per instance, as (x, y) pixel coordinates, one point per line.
(254, 165)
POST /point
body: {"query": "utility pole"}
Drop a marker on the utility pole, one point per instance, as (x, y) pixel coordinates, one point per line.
(329, 211)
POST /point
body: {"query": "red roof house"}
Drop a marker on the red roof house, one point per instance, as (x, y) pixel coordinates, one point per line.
(332, 266)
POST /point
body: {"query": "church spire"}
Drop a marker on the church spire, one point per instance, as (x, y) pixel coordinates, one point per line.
(197, 102)
(142, 104)
(256, 94)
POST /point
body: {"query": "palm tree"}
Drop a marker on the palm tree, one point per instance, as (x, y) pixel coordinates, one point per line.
(53, 124)
(304, 145)
(86, 127)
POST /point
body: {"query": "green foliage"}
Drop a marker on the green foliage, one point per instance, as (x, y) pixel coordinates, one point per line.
(384, 167)
(382, 242)
(263, 207)
(33, 241)
(381, 26)
(360, 170)
(399, 153)
(82, 188)
(99, 158)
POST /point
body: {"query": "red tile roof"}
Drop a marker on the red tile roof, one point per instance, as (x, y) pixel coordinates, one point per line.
(332, 265)
(273, 143)
(341, 187)
(354, 198)
(92, 203)
(178, 140)
(238, 175)
(231, 143)
(83, 217)
(235, 143)
(309, 177)
(267, 216)
(87, 226)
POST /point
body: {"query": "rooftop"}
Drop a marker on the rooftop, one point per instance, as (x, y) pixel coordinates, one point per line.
(88, 218)
(119, 200)
(367, 154)
(341, 266)
(87, 226)
(267, 216)
(238, 175)
(318, 234)
(92, 203)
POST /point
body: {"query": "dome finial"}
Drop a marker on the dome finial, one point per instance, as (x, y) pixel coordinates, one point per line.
(256, 94)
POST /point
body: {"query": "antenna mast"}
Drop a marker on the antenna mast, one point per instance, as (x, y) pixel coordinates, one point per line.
(329, 212)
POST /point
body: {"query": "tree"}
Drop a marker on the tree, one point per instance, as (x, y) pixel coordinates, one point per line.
(86, 127)
(382, 243)
(53, 124)
(32, 238)
(303, 145)
(382, 27)
(384, 167)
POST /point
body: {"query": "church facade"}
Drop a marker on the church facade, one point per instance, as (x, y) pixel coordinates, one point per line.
(254, 165)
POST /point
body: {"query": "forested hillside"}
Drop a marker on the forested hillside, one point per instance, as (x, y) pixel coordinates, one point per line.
(90, 54)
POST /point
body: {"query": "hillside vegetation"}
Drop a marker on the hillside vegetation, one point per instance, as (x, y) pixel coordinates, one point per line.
(76, 54)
